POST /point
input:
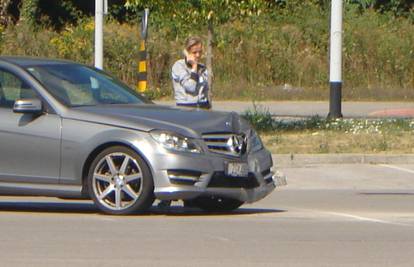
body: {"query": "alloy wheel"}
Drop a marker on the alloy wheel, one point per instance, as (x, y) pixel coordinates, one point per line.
(117, 181)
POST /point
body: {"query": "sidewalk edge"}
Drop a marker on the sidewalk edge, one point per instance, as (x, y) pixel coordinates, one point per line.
(309, 159)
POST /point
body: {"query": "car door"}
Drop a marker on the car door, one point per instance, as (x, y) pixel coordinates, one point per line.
(29, 143)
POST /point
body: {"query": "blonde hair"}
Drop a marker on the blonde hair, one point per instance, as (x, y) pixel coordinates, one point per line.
(192, 41)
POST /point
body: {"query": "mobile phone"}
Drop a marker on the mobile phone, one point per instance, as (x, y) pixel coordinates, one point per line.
(185, 52)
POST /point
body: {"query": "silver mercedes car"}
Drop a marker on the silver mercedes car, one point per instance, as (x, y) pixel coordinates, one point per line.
(71, 131)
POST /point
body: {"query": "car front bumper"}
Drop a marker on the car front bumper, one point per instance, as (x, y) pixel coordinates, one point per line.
(190, 192)
(211, 179)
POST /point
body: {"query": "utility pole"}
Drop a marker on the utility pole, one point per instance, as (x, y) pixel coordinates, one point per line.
(101, 7)
(142, 64)
(335, 74)
(209, 60)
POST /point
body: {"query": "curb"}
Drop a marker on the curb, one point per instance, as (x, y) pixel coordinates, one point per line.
(309, 159)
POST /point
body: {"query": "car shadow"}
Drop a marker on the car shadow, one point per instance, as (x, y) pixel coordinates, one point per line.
(87, 207)
(185, 211)
(48, 207)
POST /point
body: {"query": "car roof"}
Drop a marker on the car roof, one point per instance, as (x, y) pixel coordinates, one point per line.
(23, 61)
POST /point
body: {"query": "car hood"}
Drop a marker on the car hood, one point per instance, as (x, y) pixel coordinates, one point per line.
(147, 117)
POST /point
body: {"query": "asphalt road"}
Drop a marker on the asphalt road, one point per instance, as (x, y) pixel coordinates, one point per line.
(328, 215)
(320, 108)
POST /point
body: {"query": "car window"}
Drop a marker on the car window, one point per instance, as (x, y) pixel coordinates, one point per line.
(13, 88)
(77, 85)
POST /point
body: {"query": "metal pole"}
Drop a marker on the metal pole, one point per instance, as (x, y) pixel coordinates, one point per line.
(142, 64)
(335, 78)
(99, 13)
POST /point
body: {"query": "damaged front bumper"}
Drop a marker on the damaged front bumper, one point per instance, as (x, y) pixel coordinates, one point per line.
(266, 184)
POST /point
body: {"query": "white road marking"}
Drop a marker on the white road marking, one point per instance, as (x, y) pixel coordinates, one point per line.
(320, 214)
(396, 168)
(365, 219)
(223, 239)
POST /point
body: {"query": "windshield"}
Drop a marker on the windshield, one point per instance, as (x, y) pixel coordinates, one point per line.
(77, 85)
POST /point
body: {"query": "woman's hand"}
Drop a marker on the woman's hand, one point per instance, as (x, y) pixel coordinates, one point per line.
(193, 61)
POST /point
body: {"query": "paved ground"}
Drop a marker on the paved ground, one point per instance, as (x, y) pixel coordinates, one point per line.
(328, 215)
(341, 158)
(321, 108)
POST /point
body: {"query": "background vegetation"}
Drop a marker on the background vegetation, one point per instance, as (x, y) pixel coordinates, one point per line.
(320, 135)
(263, 49)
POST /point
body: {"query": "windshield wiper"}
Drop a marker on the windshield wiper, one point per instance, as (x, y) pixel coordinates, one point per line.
(113, 103)
(87, 105)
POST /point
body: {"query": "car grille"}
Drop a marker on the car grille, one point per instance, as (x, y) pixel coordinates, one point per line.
(219, 179)
(226, 143)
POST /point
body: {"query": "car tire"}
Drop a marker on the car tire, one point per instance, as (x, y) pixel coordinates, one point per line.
(120, 182)
(215, 203)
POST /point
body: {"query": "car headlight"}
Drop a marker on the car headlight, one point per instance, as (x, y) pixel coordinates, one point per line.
(255, 142)
(174, 141)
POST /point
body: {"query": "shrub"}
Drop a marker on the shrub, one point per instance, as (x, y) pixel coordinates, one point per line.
(259, 118)
(281, 55)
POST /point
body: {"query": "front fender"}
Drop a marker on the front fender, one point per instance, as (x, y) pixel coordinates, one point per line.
(78, 145)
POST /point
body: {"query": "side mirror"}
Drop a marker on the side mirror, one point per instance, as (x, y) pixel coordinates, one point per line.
(31, 106)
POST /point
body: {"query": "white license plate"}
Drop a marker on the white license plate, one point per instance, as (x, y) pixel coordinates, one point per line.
(237, 169)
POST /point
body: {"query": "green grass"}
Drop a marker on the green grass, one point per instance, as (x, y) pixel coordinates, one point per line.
(320, 135)
(325, 141)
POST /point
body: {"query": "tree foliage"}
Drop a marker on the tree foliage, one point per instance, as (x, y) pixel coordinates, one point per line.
(398, 7)
(30, 11)
(183, 16)
(4, 16)
(178, 16)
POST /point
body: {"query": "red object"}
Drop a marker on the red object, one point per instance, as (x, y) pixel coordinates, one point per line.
(406, 112)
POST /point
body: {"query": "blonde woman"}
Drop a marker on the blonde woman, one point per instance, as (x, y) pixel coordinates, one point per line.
(189, 76)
